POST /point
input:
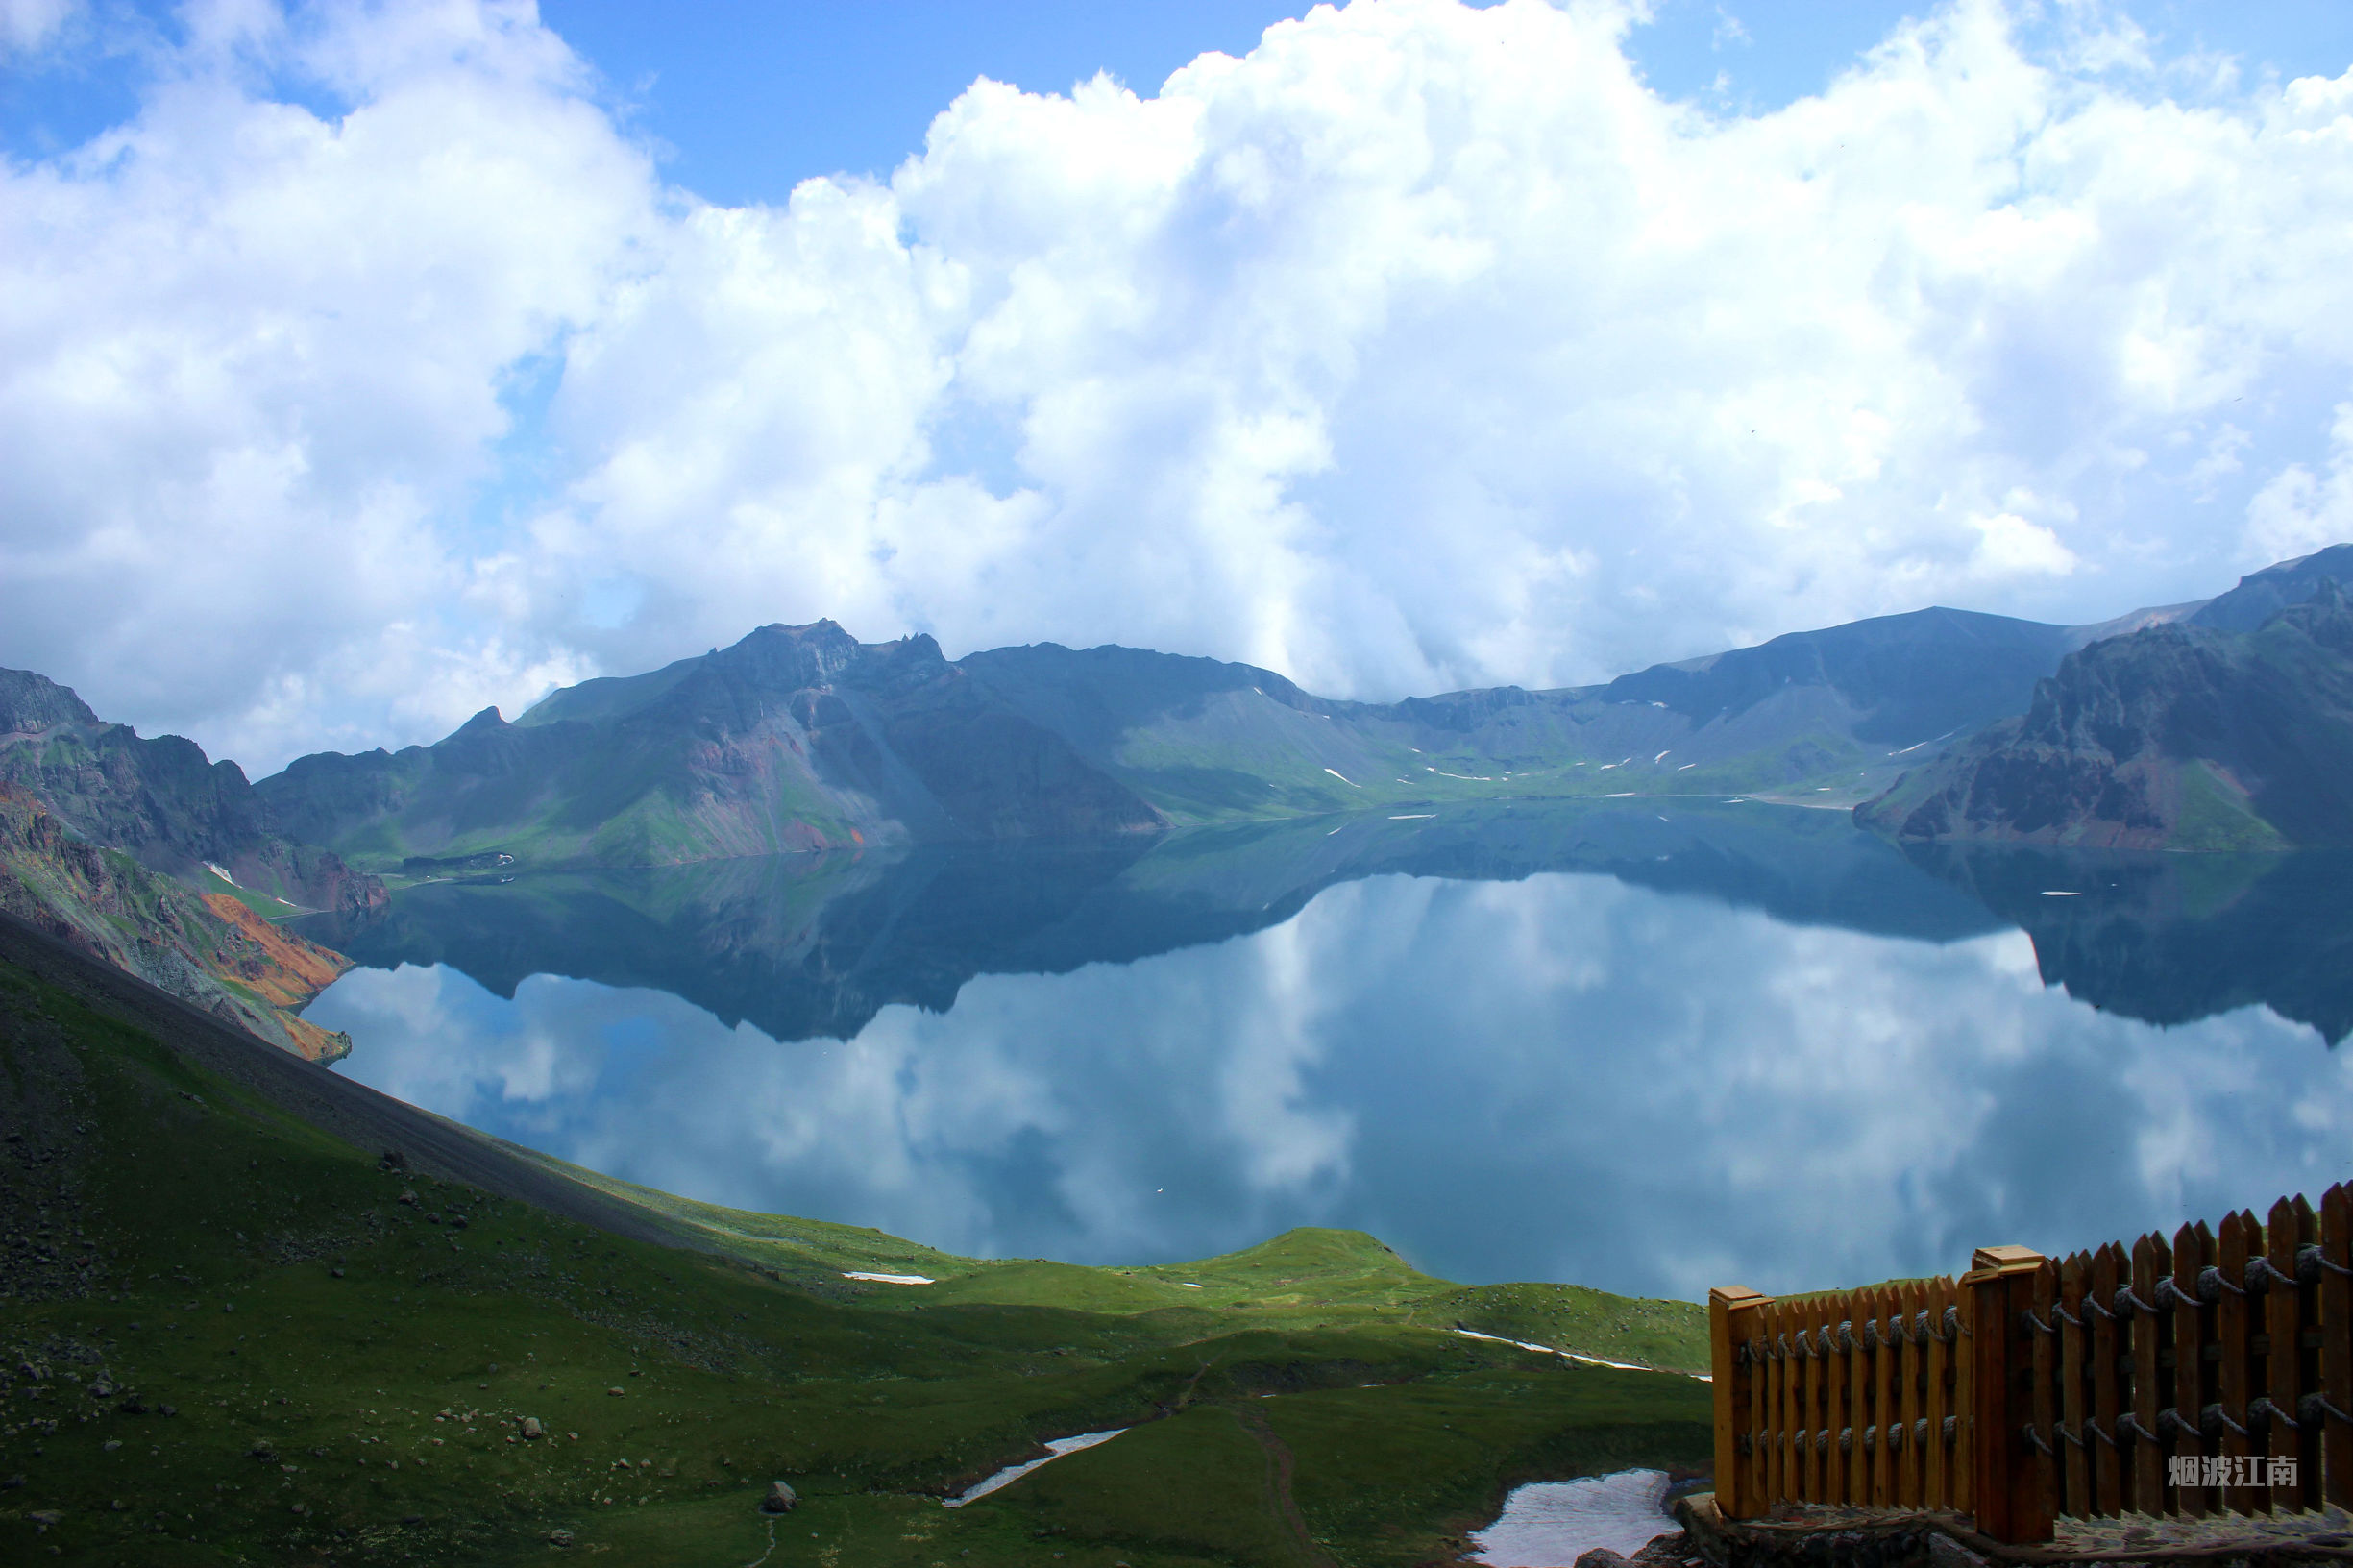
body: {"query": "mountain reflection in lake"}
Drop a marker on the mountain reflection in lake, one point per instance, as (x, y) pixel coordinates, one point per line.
(1646, 1049)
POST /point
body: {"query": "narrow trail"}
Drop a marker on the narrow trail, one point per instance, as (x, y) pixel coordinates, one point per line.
(772, 1545)
(1278, 1460)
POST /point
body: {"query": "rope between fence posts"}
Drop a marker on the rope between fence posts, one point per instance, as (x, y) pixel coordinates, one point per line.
(2262, 1274)
(2310, 1257)
(2313, 1407)
(2214, 1415)
(2211, 1285)
(2260, 1405)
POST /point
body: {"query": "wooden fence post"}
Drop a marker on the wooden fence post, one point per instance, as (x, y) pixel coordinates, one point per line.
(1734, 1313)
(2337, 1344)
(2009, 1499)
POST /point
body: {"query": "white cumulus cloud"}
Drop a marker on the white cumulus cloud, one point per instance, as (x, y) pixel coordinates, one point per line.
(1423, 347)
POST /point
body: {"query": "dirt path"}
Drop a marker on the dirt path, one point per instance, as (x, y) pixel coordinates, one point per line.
(1278, 1459)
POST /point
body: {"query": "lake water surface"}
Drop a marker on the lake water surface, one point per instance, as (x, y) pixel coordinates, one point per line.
(1650, 1046)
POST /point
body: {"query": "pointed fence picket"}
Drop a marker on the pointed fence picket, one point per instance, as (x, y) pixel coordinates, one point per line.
(2210, 1373)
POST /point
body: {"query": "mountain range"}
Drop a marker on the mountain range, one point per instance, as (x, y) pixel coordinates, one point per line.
(803, 738)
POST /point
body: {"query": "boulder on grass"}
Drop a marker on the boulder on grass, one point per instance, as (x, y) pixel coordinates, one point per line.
(780, 1499)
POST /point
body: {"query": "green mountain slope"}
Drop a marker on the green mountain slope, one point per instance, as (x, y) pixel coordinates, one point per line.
(1208, 742)
(162, 802)
(2176, 737)
(255, 1312)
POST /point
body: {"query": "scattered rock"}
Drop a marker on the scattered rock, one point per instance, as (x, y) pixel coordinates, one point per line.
(102, 1390)
(262, 1450)
(134, 1405)
(1672, 1550)
(408, 1197)
(45, 1518)
(1600, 1556)
(532, 1427)
(559, 1537)
(780, 1499)
(112, 1445)
(615, 1392)
(1944, 1552)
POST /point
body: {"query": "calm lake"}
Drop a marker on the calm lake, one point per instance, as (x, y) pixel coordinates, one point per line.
(1648, 1045)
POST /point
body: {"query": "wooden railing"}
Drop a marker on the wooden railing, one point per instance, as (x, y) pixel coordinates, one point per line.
(2212, 1374)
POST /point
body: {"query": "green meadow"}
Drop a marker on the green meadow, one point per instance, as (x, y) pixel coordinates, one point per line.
(230, 1336)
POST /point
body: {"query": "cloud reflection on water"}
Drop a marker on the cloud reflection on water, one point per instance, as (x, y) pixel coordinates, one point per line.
(1567, 1077)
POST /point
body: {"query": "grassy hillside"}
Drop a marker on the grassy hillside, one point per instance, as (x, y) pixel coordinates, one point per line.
(231, 1333)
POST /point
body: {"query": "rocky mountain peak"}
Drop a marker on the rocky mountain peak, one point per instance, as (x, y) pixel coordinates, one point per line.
(30, 703)
(2262, 595)
(782, 659)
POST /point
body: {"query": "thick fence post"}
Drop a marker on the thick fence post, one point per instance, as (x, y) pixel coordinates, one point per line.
(2009, 1499)
(1735, 1315)
(2334, 1262)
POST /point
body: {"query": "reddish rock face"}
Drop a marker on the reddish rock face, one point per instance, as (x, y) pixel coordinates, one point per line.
(211, 950)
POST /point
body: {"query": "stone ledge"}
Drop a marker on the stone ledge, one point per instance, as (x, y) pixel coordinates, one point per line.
(1814, 1535)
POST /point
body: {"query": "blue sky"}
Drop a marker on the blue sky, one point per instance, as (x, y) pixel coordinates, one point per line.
(366, 365)
(744, 100)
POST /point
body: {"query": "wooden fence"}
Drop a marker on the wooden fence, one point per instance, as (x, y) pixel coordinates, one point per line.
(2212, 1374)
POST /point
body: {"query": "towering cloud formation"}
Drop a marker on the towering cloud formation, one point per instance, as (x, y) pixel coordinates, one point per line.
(371, 373)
